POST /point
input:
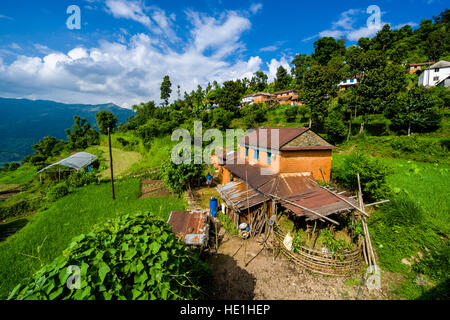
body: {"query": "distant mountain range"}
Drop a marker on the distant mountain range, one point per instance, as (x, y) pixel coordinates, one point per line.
(24, 122)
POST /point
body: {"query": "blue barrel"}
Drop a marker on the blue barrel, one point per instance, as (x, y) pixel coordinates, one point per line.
(213, 207)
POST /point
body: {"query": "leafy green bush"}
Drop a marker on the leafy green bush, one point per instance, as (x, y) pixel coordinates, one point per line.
(227, 224)
(372, 173)
(81, 178)
(335, 128)
(180, 177)
(335, 246)
(128, 258)
(57, 192)
(298, 242)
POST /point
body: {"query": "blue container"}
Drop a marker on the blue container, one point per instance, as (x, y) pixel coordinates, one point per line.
(213, 207)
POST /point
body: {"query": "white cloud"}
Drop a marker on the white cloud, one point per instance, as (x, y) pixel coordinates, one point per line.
(154, 18)
(275, 64)
(256, 7)
(133, 10)
(345, 26)
(220, 34)
(131, 72)
(269, 49)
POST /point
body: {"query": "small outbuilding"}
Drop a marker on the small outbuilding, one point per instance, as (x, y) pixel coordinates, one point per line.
(75, 162)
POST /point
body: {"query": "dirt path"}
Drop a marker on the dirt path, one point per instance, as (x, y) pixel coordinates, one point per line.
(153, 188)
(268, 279)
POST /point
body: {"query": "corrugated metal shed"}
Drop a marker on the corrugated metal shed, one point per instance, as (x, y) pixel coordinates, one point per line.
(191, 227)
(240, 196)
(76, 161)
(294, 187)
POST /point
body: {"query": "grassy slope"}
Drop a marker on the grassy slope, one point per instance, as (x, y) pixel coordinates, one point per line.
(122, 161)
(22, 175)
(426, 184)
(50, 231)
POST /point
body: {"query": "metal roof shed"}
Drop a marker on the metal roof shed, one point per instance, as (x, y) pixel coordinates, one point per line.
(76, 161)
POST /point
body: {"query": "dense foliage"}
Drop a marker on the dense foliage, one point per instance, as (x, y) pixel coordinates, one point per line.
(106, 119)
(134, 257)
(372, 173)
(180, 177)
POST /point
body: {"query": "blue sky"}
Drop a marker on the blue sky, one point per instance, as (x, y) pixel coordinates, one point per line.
(125, 47)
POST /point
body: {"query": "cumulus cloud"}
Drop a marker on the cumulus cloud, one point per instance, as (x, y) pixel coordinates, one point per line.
(154, 18)
(346, 26)
(131, 72)
(133, 10)
(274, 64)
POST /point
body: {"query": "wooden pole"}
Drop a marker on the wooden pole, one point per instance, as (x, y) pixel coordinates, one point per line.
(376, 203)
(346, 201)
(111, 165)
(306, 209)
(370, 252)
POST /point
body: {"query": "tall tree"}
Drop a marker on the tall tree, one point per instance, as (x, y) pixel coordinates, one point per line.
(301, 63)
(106, 119)
(378, 90)
(416, 110)
(319, 87)
(166, 90)
(283, 80)
(326, 48)
(81, 135)
(48, 147)
(231, 94)
(258, 83)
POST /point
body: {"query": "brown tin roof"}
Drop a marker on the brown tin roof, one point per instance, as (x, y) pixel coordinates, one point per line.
(186, 223)
(312, 141)
(240, 196)
(254, 188)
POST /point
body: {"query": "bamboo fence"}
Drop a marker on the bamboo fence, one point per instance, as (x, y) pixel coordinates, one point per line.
(319, 262)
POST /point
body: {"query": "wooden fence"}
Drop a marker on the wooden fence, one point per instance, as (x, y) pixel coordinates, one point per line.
(319, 262)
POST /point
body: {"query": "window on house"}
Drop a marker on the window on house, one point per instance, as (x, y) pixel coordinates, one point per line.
(257, 154)
(246, 151)
(269, 157)
(436, 70)
(435, 78)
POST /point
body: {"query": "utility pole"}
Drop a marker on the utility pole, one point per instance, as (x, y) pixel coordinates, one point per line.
(111, 165)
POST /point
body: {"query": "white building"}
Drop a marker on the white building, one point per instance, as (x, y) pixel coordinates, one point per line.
(350, 82)
(248, 99)
(444, 83)
(433, 75)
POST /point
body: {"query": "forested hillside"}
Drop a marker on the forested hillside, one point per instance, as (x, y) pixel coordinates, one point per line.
(23, 122)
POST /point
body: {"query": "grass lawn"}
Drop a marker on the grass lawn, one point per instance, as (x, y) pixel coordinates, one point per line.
(122, 160)
(50, 232)
(20, 176)
(427, 185)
